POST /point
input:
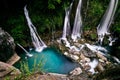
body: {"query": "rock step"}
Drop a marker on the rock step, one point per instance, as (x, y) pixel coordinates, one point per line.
(13, 59)
(6, 69)
(46, 77)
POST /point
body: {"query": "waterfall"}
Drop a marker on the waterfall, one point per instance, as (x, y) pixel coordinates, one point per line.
(77, 28)
(36, 40)
(111, 40)
(27, 53)
(98, 49)
(93, 65)
(103, 27)
(66, 28)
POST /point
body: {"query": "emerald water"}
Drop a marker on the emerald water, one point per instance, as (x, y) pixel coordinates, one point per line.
(52, 61)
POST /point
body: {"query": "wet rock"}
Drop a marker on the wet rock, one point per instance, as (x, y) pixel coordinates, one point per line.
(101, 57)
(82, 76)
(77, 44)
(74, 57)
(76, 71)
(102, 61)
(84, 58)
(66, 53)
(76, 53)
(7, 45)
(87, 52)
(100, 68)
(74, 49)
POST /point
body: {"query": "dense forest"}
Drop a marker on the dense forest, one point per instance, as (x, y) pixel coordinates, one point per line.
(48, 16)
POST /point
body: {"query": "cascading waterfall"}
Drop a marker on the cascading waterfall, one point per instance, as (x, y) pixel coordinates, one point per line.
(111, 40)
(27, 53)
(66, 28)
(103, 27)
(77, 28)
(102, 30)
(95, 48)
(36, 40)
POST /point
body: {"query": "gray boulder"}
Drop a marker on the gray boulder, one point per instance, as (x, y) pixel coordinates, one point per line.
(87, 52)
(7, 45)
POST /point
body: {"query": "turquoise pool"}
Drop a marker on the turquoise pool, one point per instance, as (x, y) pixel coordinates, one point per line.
(52, 61)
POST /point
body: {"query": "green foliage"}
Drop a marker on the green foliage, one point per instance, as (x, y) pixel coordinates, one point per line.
(25, 68)
(7, 78)
(37, 67)
(45, 15)
(18, 29)
(26, 71)
(117, 27)
(45, 23)
(94, 13)
(49, 15)
(17, 33)
(93, 36)
(52, 3)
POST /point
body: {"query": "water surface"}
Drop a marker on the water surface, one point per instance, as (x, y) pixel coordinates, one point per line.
(52, 61)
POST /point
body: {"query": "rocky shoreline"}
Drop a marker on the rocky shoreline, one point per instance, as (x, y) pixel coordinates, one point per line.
(92, 64)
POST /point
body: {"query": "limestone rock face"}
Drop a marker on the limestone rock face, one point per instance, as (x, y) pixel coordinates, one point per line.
(6, 69)
(7, 45)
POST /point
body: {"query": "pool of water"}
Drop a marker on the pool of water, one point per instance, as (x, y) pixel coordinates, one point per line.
(52, 61)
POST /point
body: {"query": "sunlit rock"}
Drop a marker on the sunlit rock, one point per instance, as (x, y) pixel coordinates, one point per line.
(103, 58)
(13, 59)
(75, 57)
(100, 68)
(66, 53)
(76, 71)
(6, 69)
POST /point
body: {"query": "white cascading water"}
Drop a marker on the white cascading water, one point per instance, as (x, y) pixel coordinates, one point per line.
(102, 30)
(96, 48)
(66, 28)
(93, 64)
(111, 40)
(77, 28)
(36, 40)
(27, 53)
(103, 27)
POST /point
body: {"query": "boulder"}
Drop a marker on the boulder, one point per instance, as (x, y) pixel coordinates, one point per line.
(13, 59)
(72, 56)
(7, 45)
(87, 52)
(6, 69)
(76, 71)
(102, 58)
